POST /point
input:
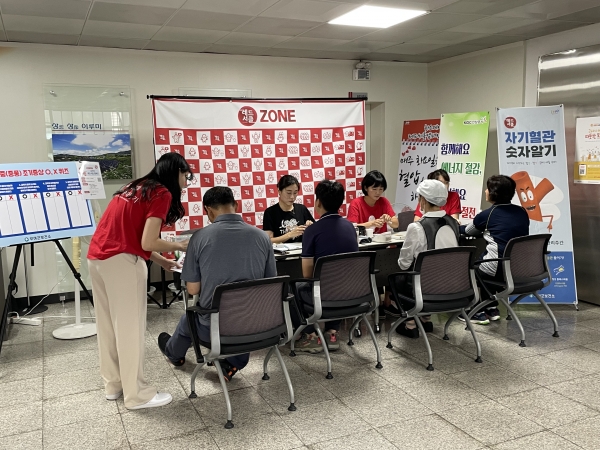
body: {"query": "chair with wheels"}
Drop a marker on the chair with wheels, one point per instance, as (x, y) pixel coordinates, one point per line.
(526, 272)
(342, 287)
(443, 281)
(244, 317)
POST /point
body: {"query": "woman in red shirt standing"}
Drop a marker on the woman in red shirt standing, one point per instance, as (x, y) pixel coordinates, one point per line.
(452, 206)
(127, 235)
(373, 210)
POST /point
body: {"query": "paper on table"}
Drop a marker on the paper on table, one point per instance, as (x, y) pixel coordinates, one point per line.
(180, 260)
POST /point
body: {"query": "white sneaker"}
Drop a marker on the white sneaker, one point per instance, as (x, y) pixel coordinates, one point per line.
(160, 399)
(114, 396)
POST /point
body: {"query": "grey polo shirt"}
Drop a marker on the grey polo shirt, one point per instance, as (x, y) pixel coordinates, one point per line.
(226, 251)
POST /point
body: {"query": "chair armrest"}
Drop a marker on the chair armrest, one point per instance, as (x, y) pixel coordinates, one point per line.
(376, 271)
(304, 280)
(199, 310)
(191, 318)
(547, 252)
(289, 298)
(482, 284)
(481, 261)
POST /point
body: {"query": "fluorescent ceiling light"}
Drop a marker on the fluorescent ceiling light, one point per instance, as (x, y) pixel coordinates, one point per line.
(376, 16)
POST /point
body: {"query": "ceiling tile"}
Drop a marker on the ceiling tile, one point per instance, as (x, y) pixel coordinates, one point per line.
(454, 50)
(42, 38)
(102, 41)
(119, 29)
(587, 15)
(2, 35)
(411, 49)
(395, 34)
(494, 40)
(282, 27)
(160, 3)
(292, 53)
(364, 46)
(66, 9)
(243, 7)
(329, 31)
(447, 37)
(543, 28)
(488, 7)
(237, 50)
(50, 25)
(493, 25)
(118, 12)
(399, 57)
(175, 34)
(341, 55)
(311, 43)
(207, 20)
(550, 9)
(439, 21)
(173, 46)
(252, 39)
(307, 10)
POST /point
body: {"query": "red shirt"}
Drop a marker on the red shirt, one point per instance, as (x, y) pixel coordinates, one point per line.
(452, 205)
(360, 212)
(121, 227)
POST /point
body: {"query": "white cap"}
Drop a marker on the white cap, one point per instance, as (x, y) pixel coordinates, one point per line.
(433, 191)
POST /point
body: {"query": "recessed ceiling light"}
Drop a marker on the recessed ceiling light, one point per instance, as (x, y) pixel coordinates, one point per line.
(376, 16)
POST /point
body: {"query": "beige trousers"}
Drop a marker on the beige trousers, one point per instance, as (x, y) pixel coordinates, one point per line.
(119, 290)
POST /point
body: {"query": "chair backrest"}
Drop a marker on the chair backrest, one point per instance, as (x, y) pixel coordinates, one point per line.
(251, 309)
(405, 218)
(401, 207)
(345, 278)
(446, 274)
(527, 256)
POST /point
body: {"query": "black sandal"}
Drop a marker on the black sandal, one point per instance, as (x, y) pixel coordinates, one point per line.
(228, 370)
(427, 326)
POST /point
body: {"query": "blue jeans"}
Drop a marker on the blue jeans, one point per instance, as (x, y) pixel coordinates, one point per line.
(181, 341)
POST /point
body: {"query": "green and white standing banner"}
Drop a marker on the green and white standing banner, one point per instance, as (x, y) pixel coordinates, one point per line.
(461, 152)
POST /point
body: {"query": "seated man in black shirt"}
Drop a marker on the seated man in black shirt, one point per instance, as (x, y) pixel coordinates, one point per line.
(330, 235)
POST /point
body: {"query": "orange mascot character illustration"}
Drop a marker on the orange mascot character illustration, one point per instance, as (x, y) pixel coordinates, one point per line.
(530, 197)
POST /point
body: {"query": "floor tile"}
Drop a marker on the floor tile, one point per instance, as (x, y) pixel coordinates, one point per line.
(542, 370)
(77, 408)
(477, 420)
(253, 372)
(494, 381)
(72, 383)
(452, 360)
(101, 433)
(428, 432)
(546, 440)
(22, 334)
(21, 391)
(445, 392)
(244, 403)
(499, 350)
(20, 418)
(258, 433)
(351, 381)
(207, 381)
(582, 359)
(328, 420)
(547, 408)
(21, 370)
(405, 370)
(152, 424)
(20, 352)
(198, 440)
(358, 441)
(61, 346)
(25, 441)
(307, 392)
(584, 390)
(70, 362)
(583, 433)
(386, 406)
(580, 334)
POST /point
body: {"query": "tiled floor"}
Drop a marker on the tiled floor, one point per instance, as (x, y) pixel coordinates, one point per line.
(543, 396)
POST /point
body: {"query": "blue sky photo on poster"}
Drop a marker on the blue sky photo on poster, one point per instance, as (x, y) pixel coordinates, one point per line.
(111, 150)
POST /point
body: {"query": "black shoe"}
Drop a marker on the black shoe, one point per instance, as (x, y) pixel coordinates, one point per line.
(163, 338)
(381, 312)
(228, 370)
(392, 310)
(427, 326)
(408, 332)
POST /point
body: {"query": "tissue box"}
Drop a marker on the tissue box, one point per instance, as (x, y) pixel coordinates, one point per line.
(383, 237)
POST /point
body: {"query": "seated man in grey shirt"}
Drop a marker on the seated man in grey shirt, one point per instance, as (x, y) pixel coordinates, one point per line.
(226, 251)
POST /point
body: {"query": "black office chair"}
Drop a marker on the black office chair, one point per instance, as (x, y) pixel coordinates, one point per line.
(443, 281)
(526, 272)
(405, 218)
(244, 317)
(343, 286)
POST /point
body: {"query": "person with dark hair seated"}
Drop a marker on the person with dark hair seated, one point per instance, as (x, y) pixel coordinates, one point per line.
(286, 220)
(227, 251)
(498, 224)
(434, 230)
(373, 210)
(330, 235)
(452, 206)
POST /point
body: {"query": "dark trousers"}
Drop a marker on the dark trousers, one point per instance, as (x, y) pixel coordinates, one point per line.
(181, 341)
(483, 277)
(304, 298)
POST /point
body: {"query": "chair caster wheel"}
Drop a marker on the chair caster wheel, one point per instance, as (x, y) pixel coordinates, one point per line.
(379, 366)
(292, 407)
(389, 345)
(446, 338)
(292, 353)
(522, 344)
(193, 395)
(509, 317)
(555, 334)
(329, 376)
(229, 425)
(266, 377)
(350, 342)
(478, 359)
(377, 328)
(357, 333)
(430, 367)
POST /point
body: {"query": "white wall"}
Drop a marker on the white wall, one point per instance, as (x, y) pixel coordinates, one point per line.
(25, 68)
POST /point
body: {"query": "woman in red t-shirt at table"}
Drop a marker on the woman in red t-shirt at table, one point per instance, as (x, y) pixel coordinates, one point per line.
(373, 210)
(127, 235)
(452, 206)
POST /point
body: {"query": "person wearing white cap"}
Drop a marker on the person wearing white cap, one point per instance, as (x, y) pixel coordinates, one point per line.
(434, 230)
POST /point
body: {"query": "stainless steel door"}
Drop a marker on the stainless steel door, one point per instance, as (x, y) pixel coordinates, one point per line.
(572, 78)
